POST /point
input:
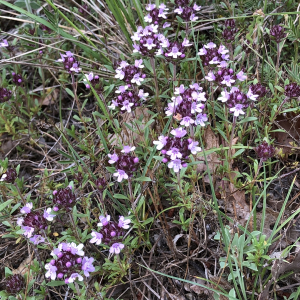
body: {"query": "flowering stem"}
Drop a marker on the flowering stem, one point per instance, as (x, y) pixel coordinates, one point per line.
(19, 192)
(179, 184)
(174, 77)
(277, 65)
(192, 131)
(74, 85)
(130, 190)
(230, 143)
(41, 265)
(212, 103)
(74, 227)
(279, 109)
(152, 62)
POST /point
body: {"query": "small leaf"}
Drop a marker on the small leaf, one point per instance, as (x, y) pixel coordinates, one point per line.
(56, 283)
(120, 196)
(6, 203)
(143, 178)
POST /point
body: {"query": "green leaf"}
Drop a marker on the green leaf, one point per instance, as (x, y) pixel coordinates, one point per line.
(70, 92)
(6, 203)
(249, 119)
(143, 178)
(56, 283)
(120, 196)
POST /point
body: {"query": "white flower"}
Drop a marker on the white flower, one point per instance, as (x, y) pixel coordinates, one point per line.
(179, 10)
(174, 153)
(127, 106)
(187, 121)
(143, 95)
(237, 110)
(104, 220)
(251, 96)
(162, 141)
(127, 149)
(137, 79)
(97, 238)
(210, 45)
(241, 76)
(26, 209)
(120, 174)
(51, 271)
(73, 277)
(193, 147)
(202, 51)
(120, 74)
(139, 63)
(224, 96)
(122, 89)
(227, 80)
(175, 52)
(210, 76)
(123, 223)
(179, 90)
(200, 119)
(113, 158)
(178, 132)
(47, 214)
(116, 248)
(175, 165)
(186, 43)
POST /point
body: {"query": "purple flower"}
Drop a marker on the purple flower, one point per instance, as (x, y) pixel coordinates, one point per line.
(193, 146)
(10, 175)
(26, 209)
(265, 151)
(127, 149)
(237, 110)
(120, 174)
(47, 214)
(241, 76)
(210, 76)
(123, 223)
(70, 62)
(5, 94)
(94, 80)
(251, 96)
(129, 73)
(97, 238)
(200, 119)
(64, 199)
(73, 277)
(51, 271)
(113, 158)
(14, 284)
(4, 43)
(156, 15)
(37, 239)
(116, 248)
(210, 54)
(227, 80)
(278, 33)
(101, 184)
(28, 231)
(224, 96)
(257, 89)
(175, 164)
(292, 90)
(187, 121)
(162, 140)
(87, 266)
(179, 132)
(104, 220)
(174, 153)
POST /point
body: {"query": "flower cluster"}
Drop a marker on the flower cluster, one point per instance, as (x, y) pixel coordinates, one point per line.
(211, 55)
(111, 233)
(229, 31)
(17, 79)
(292, 90)
(94, 80)
(127, 99)
(101, 184)
(176, 149)
(9, 176)
(34, 221)
(64, 199)
(131, 73)
(237, 100)
(70, 62)
(277, 33)
(3, 44)
(187, 13)
(5, 94)
(258, 89)
(187, 104)
(149, 42)
(125, 163)
(174, 50)
(265, 151)
(67, 263)
(14, 284)
(225, 77)
(156, 15)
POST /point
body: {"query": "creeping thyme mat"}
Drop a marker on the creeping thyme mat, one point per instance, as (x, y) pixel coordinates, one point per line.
(149, 150)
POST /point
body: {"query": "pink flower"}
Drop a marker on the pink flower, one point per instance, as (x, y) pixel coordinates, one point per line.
(97, 238)
(116, 248)
(123, 223)
(26, 209)
(120, 174)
